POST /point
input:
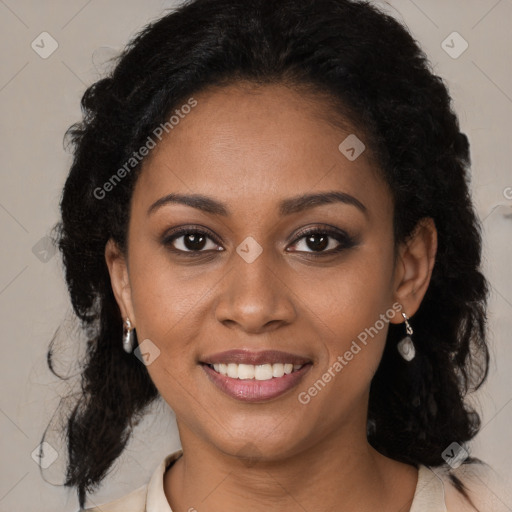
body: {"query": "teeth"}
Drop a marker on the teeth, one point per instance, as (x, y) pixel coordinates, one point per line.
(231, 372)
(263, 372)
(246, 371)
(277, 370)
(256, 372)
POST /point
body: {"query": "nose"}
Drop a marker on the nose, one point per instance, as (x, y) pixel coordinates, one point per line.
(255, 297)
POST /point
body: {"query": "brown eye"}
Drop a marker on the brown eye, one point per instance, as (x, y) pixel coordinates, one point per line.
(323, 241)
(317, 241)
(191, 240)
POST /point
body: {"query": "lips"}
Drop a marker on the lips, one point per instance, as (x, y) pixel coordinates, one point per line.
(255, 390)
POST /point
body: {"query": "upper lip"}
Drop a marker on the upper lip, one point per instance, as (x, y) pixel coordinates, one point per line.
(238, 356)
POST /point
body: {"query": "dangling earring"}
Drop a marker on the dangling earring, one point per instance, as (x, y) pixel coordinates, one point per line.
(406, 346)
(128, 336)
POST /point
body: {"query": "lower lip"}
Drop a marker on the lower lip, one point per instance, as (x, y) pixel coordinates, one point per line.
(252, 390)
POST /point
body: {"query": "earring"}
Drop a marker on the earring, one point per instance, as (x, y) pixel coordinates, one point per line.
(128, 336)
(406, 346)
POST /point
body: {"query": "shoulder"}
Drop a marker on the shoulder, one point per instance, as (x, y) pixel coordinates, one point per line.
(484, 487)
(133, 502)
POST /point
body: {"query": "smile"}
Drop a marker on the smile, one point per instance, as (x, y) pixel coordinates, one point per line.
(255, 383)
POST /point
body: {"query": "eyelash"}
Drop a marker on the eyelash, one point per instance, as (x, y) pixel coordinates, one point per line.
(344, 239)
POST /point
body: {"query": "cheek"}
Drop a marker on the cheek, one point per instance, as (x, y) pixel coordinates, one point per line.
(352, 309)
(353, 295)
(165, 309)
(160, 294)
(170, 304)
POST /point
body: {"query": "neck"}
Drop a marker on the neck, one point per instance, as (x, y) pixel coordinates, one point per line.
(340, 469)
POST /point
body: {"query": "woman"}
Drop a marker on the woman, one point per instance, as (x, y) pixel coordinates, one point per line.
(267, 223)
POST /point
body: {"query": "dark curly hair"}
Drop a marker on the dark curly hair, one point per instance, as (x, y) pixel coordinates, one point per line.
(376, 77)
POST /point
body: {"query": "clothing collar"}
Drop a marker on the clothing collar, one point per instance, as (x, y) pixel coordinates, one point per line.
(156, 500)
(429, 493)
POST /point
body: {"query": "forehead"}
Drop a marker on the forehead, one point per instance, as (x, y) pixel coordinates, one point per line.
(250, 145)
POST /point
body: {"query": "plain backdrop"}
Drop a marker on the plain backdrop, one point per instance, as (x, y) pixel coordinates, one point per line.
(39, 100)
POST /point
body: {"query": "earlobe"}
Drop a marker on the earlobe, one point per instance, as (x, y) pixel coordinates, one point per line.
(415, 264)
(119, 279)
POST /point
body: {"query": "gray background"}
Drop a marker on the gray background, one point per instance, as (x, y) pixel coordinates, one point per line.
(39, 99)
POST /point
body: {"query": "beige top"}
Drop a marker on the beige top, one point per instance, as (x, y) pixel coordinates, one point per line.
(434, 492)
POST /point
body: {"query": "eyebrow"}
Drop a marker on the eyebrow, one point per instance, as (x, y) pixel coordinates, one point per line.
(286, 207)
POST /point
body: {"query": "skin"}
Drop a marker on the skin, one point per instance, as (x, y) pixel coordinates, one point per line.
(251, 147)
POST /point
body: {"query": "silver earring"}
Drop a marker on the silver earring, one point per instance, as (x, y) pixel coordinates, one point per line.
(128, 336)
(406, 346)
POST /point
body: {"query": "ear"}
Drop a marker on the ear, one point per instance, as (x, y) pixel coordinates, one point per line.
(119, 279)
(414, 265)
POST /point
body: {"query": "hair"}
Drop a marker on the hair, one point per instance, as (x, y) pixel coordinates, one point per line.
(376, 77)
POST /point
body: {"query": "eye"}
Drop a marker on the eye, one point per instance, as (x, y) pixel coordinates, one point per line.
(323, 241)
(191, 240)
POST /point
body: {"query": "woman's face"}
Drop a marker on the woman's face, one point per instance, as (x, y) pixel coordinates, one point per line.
(255, 282)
